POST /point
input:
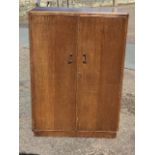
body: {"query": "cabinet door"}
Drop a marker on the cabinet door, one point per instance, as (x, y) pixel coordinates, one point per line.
(65, 72)
(53, 71)
(100, 67)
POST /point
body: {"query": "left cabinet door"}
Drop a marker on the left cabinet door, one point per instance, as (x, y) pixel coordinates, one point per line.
(53, 71)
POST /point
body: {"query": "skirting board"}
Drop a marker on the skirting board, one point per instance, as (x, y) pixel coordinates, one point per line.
(75, 134)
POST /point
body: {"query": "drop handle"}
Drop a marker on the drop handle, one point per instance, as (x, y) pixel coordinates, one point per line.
(70, 60)
(84, 59)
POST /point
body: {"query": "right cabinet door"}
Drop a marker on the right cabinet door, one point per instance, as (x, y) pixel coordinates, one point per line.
(101, 48)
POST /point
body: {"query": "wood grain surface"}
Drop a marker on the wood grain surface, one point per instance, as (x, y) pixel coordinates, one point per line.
(76, 73)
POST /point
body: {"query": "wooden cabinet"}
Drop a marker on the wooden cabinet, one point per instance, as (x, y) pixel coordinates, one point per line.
(77, 60)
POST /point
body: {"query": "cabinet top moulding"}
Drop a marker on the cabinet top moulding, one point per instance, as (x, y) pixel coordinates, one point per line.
(105, 11)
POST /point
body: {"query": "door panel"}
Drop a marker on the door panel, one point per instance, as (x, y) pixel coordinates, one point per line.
(90, 44)
(99, 79)
(42, 81)
(112, 66)
(65, 72)
(53, 39)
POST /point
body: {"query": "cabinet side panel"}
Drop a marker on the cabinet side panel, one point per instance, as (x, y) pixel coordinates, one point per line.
(42, 69)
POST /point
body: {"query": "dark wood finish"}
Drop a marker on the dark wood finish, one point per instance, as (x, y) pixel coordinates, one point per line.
(77, 61)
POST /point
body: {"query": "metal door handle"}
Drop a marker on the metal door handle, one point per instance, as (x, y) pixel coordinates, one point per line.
(84, 59)
(70, 60)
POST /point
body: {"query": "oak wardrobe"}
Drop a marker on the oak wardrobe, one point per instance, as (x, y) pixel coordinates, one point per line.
(77, 62)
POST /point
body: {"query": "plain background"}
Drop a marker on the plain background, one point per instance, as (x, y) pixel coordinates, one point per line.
(145, 77)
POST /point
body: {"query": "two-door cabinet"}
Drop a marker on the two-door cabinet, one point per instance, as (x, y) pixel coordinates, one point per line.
(77, 61)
